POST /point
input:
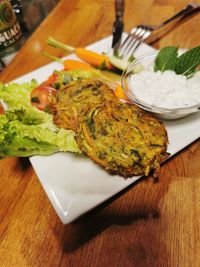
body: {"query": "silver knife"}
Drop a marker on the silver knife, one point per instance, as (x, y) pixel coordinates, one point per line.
(118, 24)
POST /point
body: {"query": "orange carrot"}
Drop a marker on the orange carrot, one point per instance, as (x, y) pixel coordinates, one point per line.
(71, 64)
(120, 93)
(93, 58)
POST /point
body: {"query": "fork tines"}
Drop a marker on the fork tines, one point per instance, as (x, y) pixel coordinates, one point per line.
(133, 40)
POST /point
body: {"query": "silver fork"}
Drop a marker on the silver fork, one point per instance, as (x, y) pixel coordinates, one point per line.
(138, 34)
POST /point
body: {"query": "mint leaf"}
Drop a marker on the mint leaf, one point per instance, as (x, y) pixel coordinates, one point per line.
(166, 59)
(188, 62)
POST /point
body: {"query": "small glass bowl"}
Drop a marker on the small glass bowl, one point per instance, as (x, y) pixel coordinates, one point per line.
(164, 113)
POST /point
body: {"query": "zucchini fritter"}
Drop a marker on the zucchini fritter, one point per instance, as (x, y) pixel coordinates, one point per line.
(121, 137)
(76, 98)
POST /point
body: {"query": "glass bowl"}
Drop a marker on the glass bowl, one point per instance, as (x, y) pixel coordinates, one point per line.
(142, 63)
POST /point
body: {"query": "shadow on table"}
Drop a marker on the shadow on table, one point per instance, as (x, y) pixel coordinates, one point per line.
(24, 163)
(130, 211)
(76, 236)
(99, 219)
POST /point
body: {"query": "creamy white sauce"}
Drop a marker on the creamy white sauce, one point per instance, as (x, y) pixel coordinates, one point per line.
(166, 89)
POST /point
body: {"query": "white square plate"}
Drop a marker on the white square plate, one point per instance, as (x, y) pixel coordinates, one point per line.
(74, 184)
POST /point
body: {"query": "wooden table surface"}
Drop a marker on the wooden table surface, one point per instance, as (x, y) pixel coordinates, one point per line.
(151, 224)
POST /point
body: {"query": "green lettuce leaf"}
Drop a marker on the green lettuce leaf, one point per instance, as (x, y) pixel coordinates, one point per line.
(22, 140)
(17, 95)
(26, 131)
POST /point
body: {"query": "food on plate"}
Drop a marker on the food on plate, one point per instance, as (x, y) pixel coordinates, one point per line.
(185, 64)
(101, 61)
(25, 130)
(166, 90)
(95, 59)
(121, 137)
(40, 95)
(170, 80)
(120, 63)
(18, 138)
(77, 111)
(120, 93)
(2, 110)
(64, 77)
(70, 64)
(76, 98)
(26, 126)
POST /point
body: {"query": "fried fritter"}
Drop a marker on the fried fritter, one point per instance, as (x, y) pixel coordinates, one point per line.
(122, 138)
(76, 98)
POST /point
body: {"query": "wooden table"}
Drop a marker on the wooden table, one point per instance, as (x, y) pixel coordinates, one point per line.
(151, 224)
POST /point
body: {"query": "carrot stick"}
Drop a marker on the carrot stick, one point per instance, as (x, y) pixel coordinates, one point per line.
(69, 64)
(120, 93)
(93, 58)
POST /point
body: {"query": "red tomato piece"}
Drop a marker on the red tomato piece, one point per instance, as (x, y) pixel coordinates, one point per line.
(52, 79)
(40, 96)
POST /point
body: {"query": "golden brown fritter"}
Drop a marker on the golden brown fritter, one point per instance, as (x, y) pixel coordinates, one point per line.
(76, 98)
(121, 137)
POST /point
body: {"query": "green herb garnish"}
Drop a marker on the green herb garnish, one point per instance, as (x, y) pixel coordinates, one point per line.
(166, 59)
(186, 64)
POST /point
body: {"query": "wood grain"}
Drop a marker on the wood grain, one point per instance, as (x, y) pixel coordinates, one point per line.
(153, 223)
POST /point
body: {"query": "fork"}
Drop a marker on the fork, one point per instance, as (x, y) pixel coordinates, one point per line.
(140, 33)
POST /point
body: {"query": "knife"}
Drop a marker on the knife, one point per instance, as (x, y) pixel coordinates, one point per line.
(118, 24)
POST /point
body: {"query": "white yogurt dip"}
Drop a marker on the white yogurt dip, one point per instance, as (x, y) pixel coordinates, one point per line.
(166, 89)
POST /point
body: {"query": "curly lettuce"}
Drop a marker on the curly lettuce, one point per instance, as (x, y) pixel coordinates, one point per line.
(26, 131)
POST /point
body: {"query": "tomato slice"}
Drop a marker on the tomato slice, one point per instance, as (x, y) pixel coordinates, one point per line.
(40, 96)
(52, 79)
